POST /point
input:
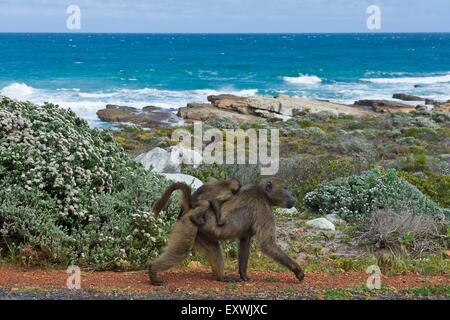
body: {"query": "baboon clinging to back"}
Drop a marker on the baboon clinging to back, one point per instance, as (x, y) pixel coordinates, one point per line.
(212, 194)
(247, 214)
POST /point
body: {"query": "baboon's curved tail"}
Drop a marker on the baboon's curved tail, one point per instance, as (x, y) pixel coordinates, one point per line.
(185, 197)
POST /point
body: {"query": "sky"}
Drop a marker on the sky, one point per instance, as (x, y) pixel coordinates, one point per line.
(224, 16)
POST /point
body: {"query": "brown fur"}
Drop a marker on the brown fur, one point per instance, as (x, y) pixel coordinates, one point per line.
(247, 214)
(212, 194)
(186, 195)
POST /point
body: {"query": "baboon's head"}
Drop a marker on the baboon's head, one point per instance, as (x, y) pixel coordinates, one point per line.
(277, 192)
(234, 185)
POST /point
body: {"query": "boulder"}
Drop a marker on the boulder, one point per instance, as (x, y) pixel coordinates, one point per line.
(179, 177)
(158, 160)
(148, 117)
(334, 218)
(321, 223)
(182, 155)
(407, 97)
(384, 106)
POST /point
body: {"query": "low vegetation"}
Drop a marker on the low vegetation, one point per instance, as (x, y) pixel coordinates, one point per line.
(69, 194)
(358, 167)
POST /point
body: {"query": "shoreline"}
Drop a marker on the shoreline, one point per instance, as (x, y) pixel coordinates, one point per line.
(241, 108)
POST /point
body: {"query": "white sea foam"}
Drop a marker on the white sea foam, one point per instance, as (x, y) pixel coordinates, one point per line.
(303, 80)
(18, 91)
(410, 80)
(86, 104)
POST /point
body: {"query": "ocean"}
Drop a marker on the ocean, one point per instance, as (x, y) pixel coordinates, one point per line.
(87, 71)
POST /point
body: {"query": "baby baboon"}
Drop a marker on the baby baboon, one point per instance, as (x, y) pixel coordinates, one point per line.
(212, 194)
(247, 214)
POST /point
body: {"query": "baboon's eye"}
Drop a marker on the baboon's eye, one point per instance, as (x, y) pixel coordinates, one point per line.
(269, 186)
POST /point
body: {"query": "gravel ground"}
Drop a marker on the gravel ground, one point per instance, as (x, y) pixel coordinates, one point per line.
(65, 294)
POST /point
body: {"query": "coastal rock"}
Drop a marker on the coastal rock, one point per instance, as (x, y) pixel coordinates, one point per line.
(321, 223)
(279, 108)
(442, 107)
(148, 117)
(406, 97)
(205, 111)
(290, 106)
(179, 177)
(384, 106)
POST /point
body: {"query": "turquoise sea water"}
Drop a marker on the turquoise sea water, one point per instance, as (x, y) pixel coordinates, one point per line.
(87, 71)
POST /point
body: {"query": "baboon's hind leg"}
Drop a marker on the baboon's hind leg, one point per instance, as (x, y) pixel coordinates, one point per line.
(214, 253)
(180, 243)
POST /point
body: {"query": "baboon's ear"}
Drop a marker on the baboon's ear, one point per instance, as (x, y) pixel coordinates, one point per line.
(269, 186)
(212, 179)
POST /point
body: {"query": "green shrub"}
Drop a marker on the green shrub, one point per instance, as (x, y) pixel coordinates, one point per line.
(72, 194)
(355, 196)
(435, 186)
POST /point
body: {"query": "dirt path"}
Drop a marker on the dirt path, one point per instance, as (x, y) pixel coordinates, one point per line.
(199, 283)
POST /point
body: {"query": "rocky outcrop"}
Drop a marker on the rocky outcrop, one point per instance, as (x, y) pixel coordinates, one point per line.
(280, 108)
(205, 111)
(442, 107)
(384, 106)
(148, 117)
(407, 97)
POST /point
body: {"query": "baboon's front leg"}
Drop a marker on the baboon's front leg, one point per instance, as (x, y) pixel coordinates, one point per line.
(244, 251)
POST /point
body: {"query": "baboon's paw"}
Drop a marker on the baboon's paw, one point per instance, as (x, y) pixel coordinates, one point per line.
(157, 283)
(245, 278)
(300, 275)
(230, 279)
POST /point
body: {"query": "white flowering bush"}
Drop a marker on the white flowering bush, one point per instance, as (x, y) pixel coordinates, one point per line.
(72, 194)
(355, 196)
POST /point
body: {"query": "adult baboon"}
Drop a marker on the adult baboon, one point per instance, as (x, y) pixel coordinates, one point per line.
(247, 214)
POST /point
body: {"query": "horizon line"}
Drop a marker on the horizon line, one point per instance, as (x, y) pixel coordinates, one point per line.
(225, 33)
